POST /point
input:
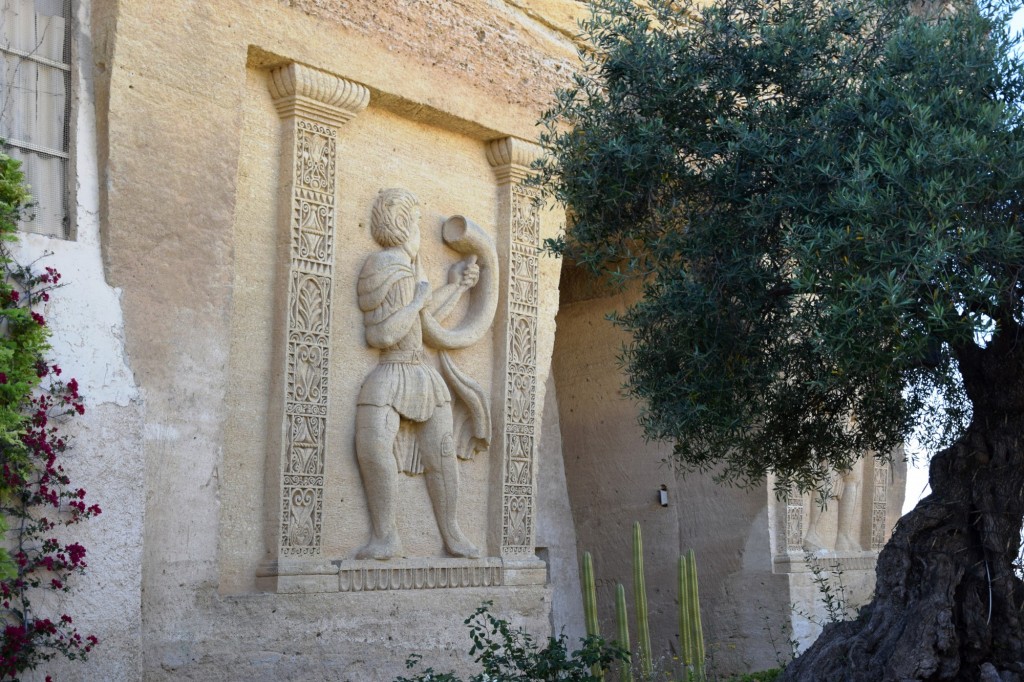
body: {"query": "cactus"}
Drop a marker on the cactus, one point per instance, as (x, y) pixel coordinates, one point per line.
(643, 630)
(589, 596)
(685, 635)
(691, 631)
(590, 606)
(622, 619)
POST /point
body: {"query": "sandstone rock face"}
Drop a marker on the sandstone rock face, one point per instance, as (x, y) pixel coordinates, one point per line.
(756, 579)
(240, 146)
(614, 478)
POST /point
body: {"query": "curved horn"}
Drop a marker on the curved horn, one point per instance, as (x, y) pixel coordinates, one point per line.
(466, 237)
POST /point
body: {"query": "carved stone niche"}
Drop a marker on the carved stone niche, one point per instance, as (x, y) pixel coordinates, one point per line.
(314, 106)
(852, 526)
(838, 528)
(845, 535)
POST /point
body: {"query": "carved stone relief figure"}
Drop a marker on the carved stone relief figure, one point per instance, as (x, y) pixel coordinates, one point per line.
(404, 412)
(841, 507)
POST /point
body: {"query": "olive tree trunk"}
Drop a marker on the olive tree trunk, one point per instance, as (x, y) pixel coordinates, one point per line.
(948, 602)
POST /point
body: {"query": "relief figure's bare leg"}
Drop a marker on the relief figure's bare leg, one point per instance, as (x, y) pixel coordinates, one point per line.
(849, 526)
(441, 470)
(812, 540)
(376, 429)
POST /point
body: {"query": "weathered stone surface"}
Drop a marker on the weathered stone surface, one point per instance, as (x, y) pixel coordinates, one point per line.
(556, 531)
(190, 145)
(187, 185)
(350, 637)
(510, 52)
(614, 478)
(563, 16)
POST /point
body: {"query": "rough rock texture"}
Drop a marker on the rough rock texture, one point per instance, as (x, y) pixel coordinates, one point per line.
(504, 48)
(614, 477)
(189, 163)
(556, 531)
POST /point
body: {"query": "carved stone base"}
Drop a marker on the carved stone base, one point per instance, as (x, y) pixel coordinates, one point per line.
(849, 579)
(349, 575)
(795, 562)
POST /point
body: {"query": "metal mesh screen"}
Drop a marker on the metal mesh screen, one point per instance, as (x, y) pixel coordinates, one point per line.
(35, 98)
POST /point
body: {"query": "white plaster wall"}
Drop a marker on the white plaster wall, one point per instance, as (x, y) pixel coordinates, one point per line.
(105, 455)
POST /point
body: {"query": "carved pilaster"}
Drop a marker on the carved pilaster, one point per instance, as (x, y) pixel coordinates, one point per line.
(313, 106)
(519, 216)
(879, 505)
(794, 535)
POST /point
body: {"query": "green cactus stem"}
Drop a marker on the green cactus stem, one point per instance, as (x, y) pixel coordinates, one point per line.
(643, 631)
(691, 630)
(589, 596)
(622, 620)
(590, 606)
(685, 633)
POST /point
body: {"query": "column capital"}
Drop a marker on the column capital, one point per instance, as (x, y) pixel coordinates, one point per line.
(299, 90)
(511, 158)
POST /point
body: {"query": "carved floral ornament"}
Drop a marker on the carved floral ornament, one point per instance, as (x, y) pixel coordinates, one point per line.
(511, 159)
(312, 105)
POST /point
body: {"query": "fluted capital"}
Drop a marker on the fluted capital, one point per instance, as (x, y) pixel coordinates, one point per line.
(511, 158)
(299, 90)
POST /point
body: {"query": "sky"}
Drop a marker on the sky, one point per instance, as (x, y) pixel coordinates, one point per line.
(917, 467)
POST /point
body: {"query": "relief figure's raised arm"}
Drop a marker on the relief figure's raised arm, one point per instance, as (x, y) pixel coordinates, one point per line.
(462, 277)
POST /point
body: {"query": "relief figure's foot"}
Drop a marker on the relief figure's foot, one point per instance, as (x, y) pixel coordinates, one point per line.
(846, 543)
(813, 543)
(458, 545)
(381, 549)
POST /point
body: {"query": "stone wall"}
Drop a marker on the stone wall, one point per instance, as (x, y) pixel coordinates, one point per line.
(192, 200)
(831, 544)
(614, 477)
(755, 551)
(214, 322)
(105, 458)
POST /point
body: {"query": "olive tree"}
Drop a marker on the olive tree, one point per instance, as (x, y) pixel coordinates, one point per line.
(823, 206)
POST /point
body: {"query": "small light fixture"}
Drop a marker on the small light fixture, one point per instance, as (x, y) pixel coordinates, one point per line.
(663, 495)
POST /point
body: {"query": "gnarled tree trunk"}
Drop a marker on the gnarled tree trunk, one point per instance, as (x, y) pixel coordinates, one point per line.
(948, 604)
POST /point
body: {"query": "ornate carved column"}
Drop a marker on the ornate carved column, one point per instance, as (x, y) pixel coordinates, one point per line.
(794, 535)
(880, 530)
(519, 219)
(313, 106)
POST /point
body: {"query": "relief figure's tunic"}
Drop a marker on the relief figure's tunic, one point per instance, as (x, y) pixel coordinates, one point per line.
(401, 381)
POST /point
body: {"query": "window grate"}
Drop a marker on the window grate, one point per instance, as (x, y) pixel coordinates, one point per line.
(35, 104)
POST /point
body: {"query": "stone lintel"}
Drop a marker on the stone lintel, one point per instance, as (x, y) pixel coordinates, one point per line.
(301, 91)
(511, 158)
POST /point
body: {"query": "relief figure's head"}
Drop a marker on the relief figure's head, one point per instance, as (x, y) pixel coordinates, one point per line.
(395, 220)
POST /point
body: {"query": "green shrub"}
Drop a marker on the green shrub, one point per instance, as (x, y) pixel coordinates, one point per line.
(512, 655)
(38, 503)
